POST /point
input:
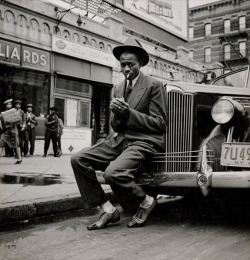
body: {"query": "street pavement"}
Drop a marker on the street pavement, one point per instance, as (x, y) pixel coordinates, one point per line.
(181, 230)
(39, 186)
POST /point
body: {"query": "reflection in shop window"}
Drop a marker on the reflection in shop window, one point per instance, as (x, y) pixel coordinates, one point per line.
(28, 86)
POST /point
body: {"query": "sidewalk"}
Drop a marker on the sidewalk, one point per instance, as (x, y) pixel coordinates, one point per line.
(39, 186)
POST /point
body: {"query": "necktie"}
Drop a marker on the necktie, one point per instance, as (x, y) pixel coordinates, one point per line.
(128, 90)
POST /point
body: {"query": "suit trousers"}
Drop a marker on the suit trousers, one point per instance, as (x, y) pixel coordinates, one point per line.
(120, 164)
(29, 137)
(50, 135)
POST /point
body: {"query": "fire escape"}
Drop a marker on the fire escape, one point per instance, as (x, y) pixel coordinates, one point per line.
(236, 58)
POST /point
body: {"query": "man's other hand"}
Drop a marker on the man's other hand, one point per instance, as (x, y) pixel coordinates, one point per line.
(119, 107)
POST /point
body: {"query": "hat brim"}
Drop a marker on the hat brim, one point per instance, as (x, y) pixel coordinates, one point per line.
(142, 54)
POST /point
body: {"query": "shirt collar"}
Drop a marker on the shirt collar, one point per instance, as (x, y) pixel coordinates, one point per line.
(134, 80)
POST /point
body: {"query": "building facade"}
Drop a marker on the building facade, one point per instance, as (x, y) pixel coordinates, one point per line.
(219, 34)
(48, 60)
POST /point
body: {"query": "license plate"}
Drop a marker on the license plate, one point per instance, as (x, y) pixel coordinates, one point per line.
(235, 154)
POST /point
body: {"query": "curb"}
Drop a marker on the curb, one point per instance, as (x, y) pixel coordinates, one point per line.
(40, 209)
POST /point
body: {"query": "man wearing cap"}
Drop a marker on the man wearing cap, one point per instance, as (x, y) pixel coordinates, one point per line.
(10, 133)
(51, 123)
(30, 122)
(139, 123)
(20, 126)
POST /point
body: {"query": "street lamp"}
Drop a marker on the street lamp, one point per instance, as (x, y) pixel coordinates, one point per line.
(60, 14)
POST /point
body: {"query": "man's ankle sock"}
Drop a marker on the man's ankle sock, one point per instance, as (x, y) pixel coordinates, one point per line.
(147, 202)
(108, 207)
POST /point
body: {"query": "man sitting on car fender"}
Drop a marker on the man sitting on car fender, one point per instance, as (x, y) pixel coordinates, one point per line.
(139, 121)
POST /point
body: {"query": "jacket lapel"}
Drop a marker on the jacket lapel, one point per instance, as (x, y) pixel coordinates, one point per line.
(138, 91)
(120, 89)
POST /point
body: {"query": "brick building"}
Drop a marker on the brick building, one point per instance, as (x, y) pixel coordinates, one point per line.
(219, 34)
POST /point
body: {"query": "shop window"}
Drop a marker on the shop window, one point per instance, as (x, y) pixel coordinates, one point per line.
(227, 26)
(155, 65)
(28, 86)
(66, 85)
(73, 112)
(208, 29)
(164, 67)
(191, 33)
(59, 103)
(226, 51)
(242, 23)
(207, 55)
(242, 48)
(84, 114)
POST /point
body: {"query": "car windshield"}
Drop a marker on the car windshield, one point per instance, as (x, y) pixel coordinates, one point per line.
(234, 79)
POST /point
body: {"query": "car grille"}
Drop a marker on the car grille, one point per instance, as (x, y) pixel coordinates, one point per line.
(179, 134)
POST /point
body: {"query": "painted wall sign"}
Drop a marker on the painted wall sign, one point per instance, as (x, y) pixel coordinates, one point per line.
(24, 56)
(170, 15)
(82, 51)
(34, 58)
(10, 53)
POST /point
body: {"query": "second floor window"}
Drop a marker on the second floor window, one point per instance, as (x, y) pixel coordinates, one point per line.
(191, 33)
(227, 26)
(207, 55)
(242, 23)
(191, 55)
(242, 48)
(208, 29)
(226, 51)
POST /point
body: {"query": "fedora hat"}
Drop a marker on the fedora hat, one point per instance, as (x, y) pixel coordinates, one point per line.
(29, 105)
(53, 108)
(134, 46)
(18, 101)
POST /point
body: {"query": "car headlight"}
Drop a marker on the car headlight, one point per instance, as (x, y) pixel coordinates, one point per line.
(226, 110)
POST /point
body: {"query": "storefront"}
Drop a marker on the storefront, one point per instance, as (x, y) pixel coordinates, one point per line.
(82, 84)
(25, 75)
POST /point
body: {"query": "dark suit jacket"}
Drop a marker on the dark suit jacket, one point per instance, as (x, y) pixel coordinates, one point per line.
(33, 121)
(147, 120)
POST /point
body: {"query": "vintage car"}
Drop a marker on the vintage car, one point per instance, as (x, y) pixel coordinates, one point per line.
(208, 138)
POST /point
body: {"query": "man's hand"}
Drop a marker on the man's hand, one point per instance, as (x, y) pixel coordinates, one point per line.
(119, 107)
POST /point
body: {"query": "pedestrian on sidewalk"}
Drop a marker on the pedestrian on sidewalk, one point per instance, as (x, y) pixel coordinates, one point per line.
(60, 133)
(20, 126)
(9, 132)
(30, 124)
(139, 123)
(51, 133)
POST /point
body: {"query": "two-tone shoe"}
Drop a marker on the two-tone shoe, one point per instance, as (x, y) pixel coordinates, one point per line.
(104, 220)
(141, 216)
